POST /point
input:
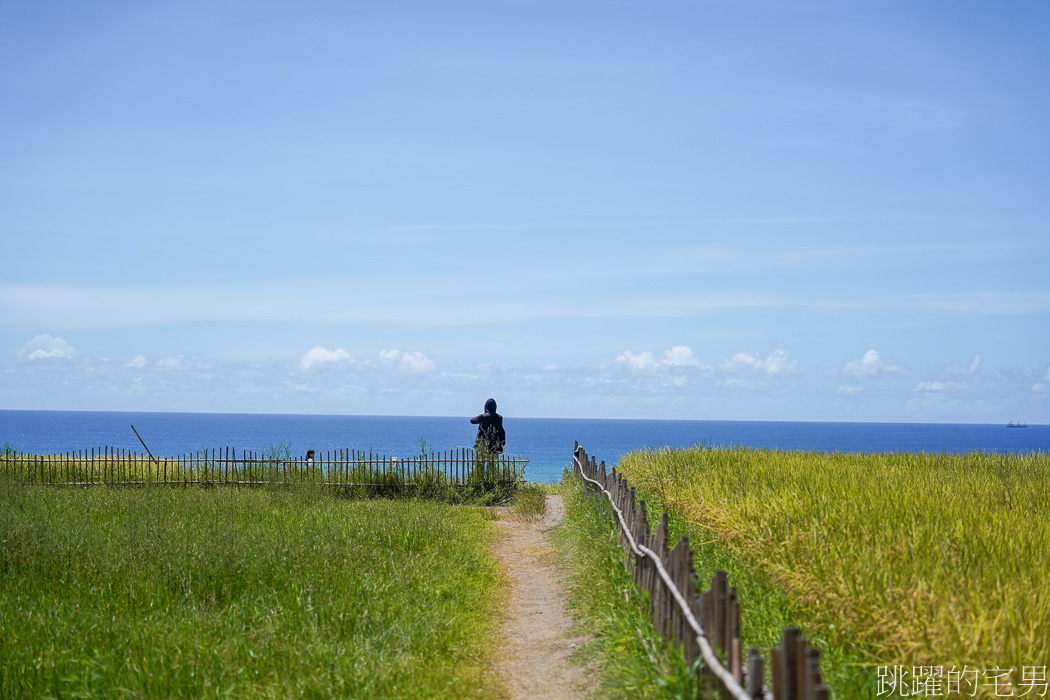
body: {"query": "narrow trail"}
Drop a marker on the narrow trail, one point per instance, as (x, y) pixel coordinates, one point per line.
(535, 657)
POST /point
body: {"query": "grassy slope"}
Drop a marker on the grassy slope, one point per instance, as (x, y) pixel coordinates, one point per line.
(224, 592)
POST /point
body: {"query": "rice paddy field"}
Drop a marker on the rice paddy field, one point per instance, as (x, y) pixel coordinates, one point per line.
(897, 561)
(220, 592)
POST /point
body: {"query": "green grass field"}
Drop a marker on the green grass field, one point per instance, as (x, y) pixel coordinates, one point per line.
(244, 593)
(884, 559)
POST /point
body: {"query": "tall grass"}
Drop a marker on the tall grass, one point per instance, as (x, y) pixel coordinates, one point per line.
(630, 658)
(244, 593)
(530, 502)
(911, 559)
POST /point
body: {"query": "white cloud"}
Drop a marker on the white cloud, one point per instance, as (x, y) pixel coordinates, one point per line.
(975, 364)
(641, 360)
(870, 365)
(415, 362)
(138, 363)
(319, 356)
(849, 389)
(940, 386)
(678, 356)
(44, 346)
(775, 364)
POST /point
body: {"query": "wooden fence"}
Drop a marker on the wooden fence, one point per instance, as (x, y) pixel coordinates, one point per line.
(704, 624)
(337, 468)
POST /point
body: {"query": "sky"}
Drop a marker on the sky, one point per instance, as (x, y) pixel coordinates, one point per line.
(746, 210)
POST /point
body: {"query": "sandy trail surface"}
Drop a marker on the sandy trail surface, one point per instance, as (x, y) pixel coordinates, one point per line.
(535, 657)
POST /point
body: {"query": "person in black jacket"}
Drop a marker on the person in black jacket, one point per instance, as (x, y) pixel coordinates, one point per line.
(491, 436)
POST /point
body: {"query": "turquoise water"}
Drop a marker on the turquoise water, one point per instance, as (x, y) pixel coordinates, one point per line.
(547, 442)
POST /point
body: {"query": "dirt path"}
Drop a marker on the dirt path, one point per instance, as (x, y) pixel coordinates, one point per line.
(535, 657)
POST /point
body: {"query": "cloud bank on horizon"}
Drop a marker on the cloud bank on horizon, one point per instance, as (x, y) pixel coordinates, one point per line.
(696, 210)
(673, 383)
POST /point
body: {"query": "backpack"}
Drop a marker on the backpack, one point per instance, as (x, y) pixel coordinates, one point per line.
(493, 434)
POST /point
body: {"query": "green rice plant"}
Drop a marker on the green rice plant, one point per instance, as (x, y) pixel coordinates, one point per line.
(630, 658)
(243, 592)
(884, 559)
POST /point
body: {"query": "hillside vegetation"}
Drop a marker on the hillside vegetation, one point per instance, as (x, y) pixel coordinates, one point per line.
(912, 559)
(245, 593)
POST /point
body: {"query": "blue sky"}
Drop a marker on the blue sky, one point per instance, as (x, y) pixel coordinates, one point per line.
(713, 210)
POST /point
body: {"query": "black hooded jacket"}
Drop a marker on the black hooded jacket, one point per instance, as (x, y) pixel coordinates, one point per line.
(490, 428)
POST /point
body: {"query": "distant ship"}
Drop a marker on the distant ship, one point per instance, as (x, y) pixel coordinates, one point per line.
(1011, 424)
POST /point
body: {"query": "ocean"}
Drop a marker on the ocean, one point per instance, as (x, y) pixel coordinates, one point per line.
(547, 442)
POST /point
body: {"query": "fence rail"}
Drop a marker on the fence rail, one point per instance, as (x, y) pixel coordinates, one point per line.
(704, 624)
(335, 468)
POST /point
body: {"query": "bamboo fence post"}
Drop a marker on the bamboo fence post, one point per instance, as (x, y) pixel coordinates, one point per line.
(659, 545)
(733, 634)
(682, 581)
(801, 677)
(641, 535)
(679, 575)
(755, 674)
(789, 665)
(776, 659)
(719, 585)
(814, 681)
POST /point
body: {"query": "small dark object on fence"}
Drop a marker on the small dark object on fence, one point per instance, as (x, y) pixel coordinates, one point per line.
(705, 625)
